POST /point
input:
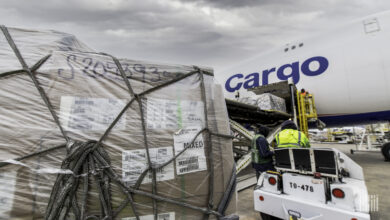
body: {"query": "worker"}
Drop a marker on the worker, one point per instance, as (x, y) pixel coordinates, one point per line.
(310, 105)
(261, 154)
(289, 136)
(303, 92)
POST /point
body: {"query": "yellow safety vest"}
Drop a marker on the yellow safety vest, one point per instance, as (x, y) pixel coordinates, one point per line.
(291, 138)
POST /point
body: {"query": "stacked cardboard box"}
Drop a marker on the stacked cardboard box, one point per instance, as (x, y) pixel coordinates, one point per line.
(86, 92)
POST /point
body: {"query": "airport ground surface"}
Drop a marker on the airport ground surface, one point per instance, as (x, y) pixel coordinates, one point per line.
(377, 176)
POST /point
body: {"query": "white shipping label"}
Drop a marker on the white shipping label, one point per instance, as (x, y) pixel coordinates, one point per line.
(173, 114)
(92, 114)
(162, 216)
(7, 190)
(193, 159)
(134, 162)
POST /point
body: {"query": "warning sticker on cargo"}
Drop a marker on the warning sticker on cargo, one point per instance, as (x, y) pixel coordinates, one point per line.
(173, 114)
(78, 113)
(134, 162)
(193, 159)
(162, 216)
(7, 188)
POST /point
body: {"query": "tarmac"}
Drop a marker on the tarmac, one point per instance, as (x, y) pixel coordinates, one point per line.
(376, 173)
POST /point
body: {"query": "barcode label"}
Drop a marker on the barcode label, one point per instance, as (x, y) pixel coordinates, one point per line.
(134, 163)
(162, 216)
(189, 168)
(91, 114)
(193, 159)
(135, 155)
(133, 172)
(173, 114)
(83, 101)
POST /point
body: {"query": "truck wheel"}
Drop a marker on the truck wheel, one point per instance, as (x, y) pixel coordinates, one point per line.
(386, 151)
(268, 217)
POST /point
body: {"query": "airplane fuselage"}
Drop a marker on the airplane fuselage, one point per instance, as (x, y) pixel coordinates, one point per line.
(347, 70)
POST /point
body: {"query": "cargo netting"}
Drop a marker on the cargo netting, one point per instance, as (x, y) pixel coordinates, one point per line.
(61, 163)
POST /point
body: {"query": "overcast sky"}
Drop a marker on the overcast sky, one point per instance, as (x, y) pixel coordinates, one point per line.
(213, 33)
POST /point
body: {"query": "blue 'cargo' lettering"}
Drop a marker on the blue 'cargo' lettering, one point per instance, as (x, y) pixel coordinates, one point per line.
(252, 80)
(284, 72)
(294, 67)
(323, 65)
(228, 86)
(266, 74)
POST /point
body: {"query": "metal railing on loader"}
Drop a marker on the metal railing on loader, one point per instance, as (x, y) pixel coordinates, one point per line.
(306, 111)
(242, 133)
(246, 159)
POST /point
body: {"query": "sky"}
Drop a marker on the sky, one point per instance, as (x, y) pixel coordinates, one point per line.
(213, 33)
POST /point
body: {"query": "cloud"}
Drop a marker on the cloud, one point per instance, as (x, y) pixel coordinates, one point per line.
(200, 32)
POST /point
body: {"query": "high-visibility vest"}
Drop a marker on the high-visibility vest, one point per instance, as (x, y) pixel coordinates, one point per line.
(291, 138)
(256, 158)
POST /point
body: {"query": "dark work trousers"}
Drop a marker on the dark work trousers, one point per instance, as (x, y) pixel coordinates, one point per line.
(257, 174)
(262, 168)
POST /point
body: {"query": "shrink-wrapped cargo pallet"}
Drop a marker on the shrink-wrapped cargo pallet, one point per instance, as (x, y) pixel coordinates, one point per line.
(84, 135)
(266, 101)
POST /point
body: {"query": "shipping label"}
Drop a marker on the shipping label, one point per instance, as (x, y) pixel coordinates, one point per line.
(134, 162)
(173, 114)
(162, 216)
(91, 114)
(7, 189)
(193, 159)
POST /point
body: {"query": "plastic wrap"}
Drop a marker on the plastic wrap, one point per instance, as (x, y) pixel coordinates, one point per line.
(266, 101)
(110, 131)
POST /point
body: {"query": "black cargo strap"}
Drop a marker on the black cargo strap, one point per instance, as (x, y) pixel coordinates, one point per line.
(33, 78)
(89, 158)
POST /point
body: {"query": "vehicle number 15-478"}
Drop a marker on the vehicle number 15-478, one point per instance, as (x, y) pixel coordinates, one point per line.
(303, 187)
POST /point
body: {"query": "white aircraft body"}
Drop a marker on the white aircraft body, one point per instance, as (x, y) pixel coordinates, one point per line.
(347, 70)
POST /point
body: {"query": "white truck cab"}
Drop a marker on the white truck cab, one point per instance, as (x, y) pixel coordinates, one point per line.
(315, 184)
